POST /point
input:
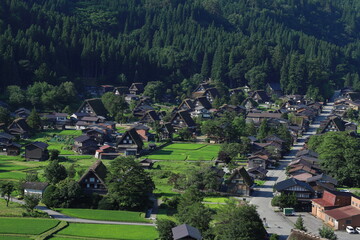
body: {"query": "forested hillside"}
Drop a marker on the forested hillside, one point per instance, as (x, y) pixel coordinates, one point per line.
(309, 46)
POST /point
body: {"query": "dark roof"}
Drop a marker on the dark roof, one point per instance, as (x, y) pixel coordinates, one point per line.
(218, 171)
(308, 152)
(275, 86)
(354, 95)
(252, 101)
(39, 145)
(121, 90)
(141, 127)
(343, 212)
(97, 106)
(186, 117)
(134, 136)
(262, 94)
(273, 138)
(188, 103)
(21, 122)
(213, 92)
(7, 136)
(184, 230)
(264, 115)
(35, 185)
(90, 119)
(99, 169)
(322, 177)
(280, 186)
(204, 102)
(153, 115)
(168, 127)
(301, 235)
(244, 174)
(82, 138)
(14, 144)
(137, 86)
(258, 169)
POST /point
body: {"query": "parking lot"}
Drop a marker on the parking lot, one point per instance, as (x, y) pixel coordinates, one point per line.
(313, 224)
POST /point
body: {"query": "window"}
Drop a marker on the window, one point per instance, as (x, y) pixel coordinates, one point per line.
(87, 185)
(348, 222)
(130, 141)
(92, 179)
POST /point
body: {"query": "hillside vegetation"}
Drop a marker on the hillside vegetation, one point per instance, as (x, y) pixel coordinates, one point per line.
(309, 46)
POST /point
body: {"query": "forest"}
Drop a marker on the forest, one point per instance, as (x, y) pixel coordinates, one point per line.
(309, 46)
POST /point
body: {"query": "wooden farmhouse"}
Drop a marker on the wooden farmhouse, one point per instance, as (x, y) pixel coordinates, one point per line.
(93, 107)
(36, 151)
(93, 180)
(130, 143)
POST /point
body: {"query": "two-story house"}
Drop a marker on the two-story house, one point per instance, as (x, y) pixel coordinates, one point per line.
(85, 145)
(93, 180)
(130, 143)
(36, 151)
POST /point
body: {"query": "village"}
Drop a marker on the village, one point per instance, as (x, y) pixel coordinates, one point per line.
(221, 142)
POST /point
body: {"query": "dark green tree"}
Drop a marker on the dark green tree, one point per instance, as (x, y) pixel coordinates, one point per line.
(34, 120)
(6, 189)
(237, 222)
(54, 172)
(300, 224)
(31, 201)
(164, 227)
(328, 233)
(4, 116)
(129, 186)
(154, 90)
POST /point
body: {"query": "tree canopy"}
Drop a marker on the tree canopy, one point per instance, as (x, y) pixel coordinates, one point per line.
(233, 42)
(129, 186)
(340, 156)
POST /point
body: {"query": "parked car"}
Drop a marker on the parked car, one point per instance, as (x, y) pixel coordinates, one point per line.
(350, 229)
(357, 229)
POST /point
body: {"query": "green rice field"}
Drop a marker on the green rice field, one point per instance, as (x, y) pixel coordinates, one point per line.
(31, 226)
(121, 216)
(125, 232)
(186, 151)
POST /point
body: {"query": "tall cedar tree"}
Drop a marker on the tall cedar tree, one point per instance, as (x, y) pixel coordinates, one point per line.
(238, 221)
(129, 186)
(34, 120)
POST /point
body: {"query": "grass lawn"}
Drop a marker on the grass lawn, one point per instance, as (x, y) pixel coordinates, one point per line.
(216, 199)
(13, 210)
(15, 168)
(164, 214)
(8, 237)
(26, 225)
(122, 216)
(128, 232)
(160, 174)
(186, 151)
(213, 206)
(260, 182)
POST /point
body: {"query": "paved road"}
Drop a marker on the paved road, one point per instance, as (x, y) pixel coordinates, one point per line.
(59, 216)
(62, 217)
(262, 196)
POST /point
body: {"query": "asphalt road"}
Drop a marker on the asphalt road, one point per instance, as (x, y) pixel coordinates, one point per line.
(276, 222)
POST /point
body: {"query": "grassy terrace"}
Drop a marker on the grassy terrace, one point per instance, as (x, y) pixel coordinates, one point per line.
(186, 151)
(26, 226)
(108, 215)
(13, 210)
(95, 231)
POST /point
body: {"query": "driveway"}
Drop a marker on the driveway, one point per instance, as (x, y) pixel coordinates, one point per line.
(276, 222)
